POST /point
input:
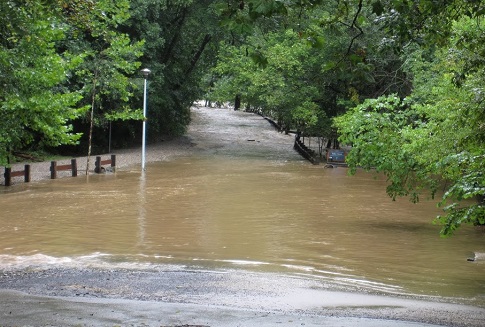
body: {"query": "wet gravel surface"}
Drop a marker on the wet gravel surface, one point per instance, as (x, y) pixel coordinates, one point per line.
(179, 286)
(257, 293)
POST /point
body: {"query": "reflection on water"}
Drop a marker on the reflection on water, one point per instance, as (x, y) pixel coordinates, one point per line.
(225, 212)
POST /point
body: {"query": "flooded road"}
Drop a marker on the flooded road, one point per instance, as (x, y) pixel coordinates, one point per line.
(242, 199)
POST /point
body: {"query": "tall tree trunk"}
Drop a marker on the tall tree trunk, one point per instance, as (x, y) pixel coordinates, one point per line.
(178, 22)
(91, 122)
(237, 102)
(197, 55)
(193, 62)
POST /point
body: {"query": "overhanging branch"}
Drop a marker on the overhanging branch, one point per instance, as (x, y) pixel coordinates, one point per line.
(355, 25)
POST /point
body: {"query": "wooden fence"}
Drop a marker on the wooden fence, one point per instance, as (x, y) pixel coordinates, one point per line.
(99, 164)
(304, 151)
(54, 168)
(9, 174)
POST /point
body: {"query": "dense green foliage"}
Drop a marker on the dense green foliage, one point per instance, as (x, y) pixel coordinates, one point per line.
(400, 81)
(33, 104)
(70, 70)
(109, 57)
(304, 64)
(435, 136)
(179, 46)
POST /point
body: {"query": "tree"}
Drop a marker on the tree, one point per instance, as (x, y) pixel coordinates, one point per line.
(403, 77)
(180, 45)
(303, 64)
(110, 59)
(434, 137)
(426, 22)
(35, 108)
(278, 87)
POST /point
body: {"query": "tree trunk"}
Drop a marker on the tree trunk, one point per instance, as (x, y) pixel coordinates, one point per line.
(237, 102)
(91, 123)
(197, 55)
(178, 22)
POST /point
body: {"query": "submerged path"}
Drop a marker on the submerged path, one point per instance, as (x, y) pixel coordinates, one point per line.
(175, 295)
(212, 131)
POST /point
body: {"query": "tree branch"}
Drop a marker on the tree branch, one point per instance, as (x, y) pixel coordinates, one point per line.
(180, 20)
(197, 55)
(354, 24)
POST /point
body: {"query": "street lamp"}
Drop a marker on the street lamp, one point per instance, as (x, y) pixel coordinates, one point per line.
(145, 72)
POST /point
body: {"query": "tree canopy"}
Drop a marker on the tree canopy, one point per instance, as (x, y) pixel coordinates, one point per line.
(33, 103)
(433, 139)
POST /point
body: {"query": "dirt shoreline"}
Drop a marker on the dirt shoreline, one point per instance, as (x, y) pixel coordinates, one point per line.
(192, 297)
(183, 296)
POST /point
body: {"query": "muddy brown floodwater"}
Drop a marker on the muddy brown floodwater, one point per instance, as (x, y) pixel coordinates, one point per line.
(240, 199)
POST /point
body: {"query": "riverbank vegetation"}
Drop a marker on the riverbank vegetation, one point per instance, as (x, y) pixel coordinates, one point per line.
(400, 81)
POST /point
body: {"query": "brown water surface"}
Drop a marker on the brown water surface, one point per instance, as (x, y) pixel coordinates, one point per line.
(239, 204)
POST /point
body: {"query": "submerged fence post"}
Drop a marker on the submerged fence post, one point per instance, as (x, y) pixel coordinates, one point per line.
(7, 176)
(53, 169)
(97, 165)
(27, 173)
(113, 162)
(74, 167)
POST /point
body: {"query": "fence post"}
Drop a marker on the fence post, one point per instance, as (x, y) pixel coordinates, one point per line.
(7, 176)
(27, 173)
(74, 167)
(97, 165)
(53, 169)
(113, 162)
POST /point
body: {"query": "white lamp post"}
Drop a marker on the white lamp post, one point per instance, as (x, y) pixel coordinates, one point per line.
(145, 72)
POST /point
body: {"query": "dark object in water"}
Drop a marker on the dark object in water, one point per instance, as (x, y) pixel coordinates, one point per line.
(335, 156)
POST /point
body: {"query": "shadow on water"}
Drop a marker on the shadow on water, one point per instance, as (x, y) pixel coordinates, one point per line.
(400, 227)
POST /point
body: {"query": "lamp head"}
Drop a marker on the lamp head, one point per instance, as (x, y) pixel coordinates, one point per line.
(146, 72)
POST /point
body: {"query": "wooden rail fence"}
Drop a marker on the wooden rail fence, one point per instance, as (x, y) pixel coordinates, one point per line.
(54, 168)
(9, 174)
(99, 164)
(304, 151)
